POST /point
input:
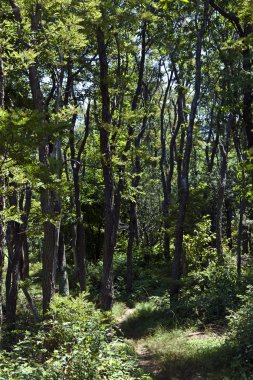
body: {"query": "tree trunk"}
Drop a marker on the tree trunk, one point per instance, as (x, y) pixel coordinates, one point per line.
(248, 91)
(131, 237)
(16, 242)
(1, 250)
(13, 240)
(133, 224)
(165, 204)
(50, 204)
(49, 262)
(2, 92)
(240, 236)
(184, 180)
(80, 248)
(62, 267)
(111, 225)
(229, 218)
(244, 32)
(221, 191)
(81, 254)
(79, 238)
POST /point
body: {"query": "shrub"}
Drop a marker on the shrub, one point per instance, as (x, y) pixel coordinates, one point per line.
(240, 324)
(197, 247)
(209, 293)
(76, 342)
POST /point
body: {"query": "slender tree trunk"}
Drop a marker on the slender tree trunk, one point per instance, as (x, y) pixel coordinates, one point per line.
(165, 204)
(221, 191)
(62, 267)
(240, 236)
(1, 250)
(13, 240)
(229, 218)
(111, 225)
(80, 248)
(2, 92)
(184, 181)
(79, 238)
(248, 92)
(15, 236)
(244, 32)
(133, 223)
(243, 203)
(180, 121)
(50, 203)
(80, 245)
(25, 257)
(131, 237)
(2, 80)
(49, 262)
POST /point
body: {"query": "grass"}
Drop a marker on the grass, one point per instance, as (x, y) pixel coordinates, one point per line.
(145, 318)
(118, 310)
(184, 353)
(187, 353)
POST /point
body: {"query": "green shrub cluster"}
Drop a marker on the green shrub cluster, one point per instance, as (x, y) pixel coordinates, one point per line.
(209, 293)
(76, 342)
(240, 332)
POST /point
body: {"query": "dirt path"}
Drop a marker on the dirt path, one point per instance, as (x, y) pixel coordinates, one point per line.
(145, 358)
(184, 367)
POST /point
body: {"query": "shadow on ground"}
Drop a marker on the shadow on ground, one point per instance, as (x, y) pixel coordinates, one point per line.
(168, 353)
(144, 320)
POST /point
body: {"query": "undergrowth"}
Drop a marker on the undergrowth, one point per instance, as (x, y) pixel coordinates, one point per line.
(75, 342)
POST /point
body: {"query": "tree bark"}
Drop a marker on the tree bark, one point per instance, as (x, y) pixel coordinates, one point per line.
(14, 251)
(131, 237)
(221, 191)
(184, 180)
(62, 267)
(167, 180)
(79, 241)
(163, 166)
(111, 225)
(2, 93)
(133, 226)
(50, 202)
(15, 237)
(240, 236)
(229, 218)
(1, 250)
(244, 32)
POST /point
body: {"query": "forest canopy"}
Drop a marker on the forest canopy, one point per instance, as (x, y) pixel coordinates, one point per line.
(126, 143)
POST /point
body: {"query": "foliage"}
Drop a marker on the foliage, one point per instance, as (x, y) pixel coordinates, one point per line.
(240, 332)
(75, 342)
(183, 353)
(198, 247)
(209, 293)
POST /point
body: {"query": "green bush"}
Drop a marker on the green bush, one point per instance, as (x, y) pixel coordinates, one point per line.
(209, 293)
(75, 342)
(197, 247)
(240, 332)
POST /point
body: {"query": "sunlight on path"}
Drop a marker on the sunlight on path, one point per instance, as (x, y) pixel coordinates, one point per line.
(146, 360)
(176, 354)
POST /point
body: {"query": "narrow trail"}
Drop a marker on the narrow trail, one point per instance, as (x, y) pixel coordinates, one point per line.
(145, 358)
(147, 361)
(184, 367)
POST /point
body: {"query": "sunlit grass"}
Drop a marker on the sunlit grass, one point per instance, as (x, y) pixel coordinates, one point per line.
(118, 310)
(187, 353)
(181, 353)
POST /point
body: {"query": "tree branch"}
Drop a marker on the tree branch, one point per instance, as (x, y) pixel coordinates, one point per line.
(229, 16)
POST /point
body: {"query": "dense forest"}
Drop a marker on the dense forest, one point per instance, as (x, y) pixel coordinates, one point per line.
(126, 173)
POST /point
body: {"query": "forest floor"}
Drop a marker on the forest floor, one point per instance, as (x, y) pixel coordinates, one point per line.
(167, 353)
